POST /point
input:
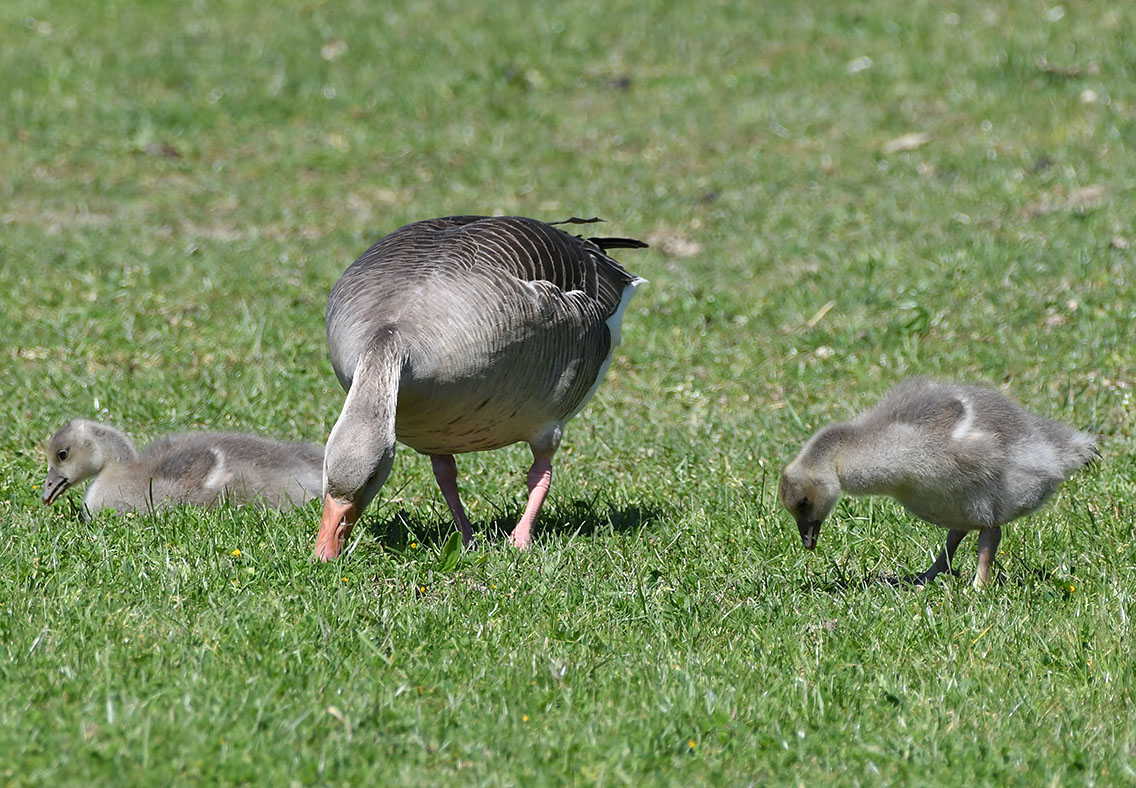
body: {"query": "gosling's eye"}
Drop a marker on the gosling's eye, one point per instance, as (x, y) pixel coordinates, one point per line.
(62, 455)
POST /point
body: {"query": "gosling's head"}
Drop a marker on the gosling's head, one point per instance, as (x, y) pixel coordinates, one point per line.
(809, 493)
(73, 454)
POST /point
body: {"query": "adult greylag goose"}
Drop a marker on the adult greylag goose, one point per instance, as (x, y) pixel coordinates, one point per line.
(463, 334)
(195, 468)
(965, 458)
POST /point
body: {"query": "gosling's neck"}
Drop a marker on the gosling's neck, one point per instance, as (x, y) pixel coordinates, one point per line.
(863, 460)
(115, 447)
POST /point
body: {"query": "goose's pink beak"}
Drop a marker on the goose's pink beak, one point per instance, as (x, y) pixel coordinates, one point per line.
(334, 528)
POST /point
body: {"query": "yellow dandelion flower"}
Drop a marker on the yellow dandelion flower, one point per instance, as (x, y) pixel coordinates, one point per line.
(236, 553)
(524, 718)
(691, 744)
(345, 580)
(414, 545)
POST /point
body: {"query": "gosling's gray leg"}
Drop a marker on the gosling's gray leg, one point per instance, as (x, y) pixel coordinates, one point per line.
(988, 539)
(943, 562)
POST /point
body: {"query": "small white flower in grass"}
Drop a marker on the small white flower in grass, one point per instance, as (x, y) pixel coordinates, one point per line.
(332, 49)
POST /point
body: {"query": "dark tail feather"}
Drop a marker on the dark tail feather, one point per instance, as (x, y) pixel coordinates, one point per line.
(604, 243)
(618, 243)
(578, 220)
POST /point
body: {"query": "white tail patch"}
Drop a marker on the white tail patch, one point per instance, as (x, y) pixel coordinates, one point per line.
(615, 322)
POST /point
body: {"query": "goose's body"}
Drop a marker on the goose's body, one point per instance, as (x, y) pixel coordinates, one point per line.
(462, 334)
(198, 468)
(965, 458)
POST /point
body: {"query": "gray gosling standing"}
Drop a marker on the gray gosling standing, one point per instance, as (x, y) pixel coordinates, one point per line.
(197, 468)
(964, 458)
(462, 334)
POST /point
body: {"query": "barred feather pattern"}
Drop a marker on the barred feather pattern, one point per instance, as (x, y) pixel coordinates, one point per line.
(504, 325)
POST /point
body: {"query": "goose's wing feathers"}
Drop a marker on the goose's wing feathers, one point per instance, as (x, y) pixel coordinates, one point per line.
(523, 248)
(431, 280)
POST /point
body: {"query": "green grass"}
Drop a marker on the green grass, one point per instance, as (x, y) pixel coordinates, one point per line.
(183, 183)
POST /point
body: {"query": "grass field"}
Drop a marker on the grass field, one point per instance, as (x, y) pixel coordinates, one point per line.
(837, 196)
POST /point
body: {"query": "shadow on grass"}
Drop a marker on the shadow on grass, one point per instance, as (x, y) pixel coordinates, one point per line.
(1020, 576)
(580, 517)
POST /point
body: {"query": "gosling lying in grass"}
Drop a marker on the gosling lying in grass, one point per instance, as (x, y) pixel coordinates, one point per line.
(201, 469)
(964, 458)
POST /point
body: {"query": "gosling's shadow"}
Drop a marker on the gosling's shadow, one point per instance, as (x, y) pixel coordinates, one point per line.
(395, 531)
(844, 582)
(877, 580)
(1017, 576)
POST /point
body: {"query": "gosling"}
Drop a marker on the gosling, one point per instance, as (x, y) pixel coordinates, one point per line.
(201, 469)
(964, 458)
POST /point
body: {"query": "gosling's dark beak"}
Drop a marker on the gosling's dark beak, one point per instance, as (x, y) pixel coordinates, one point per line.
(54, 486)
(810, 532)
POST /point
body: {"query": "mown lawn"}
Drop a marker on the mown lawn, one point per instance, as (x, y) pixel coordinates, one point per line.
(837, 196)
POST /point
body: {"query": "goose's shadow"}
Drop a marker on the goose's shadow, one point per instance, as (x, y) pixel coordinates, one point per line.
(395, 531)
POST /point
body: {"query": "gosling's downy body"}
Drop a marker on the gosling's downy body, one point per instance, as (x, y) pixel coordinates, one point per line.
(462, 334)
(965, 458)
(194, 468)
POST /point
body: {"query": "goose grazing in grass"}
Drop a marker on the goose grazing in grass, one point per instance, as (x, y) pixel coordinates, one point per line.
(463, 334)
(202, 469)
(964, 458)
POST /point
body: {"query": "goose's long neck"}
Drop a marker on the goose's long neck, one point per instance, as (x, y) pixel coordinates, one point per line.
(360, 449)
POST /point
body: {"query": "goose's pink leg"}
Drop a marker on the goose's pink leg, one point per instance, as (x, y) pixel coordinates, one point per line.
(446, 473)
(539, 480)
